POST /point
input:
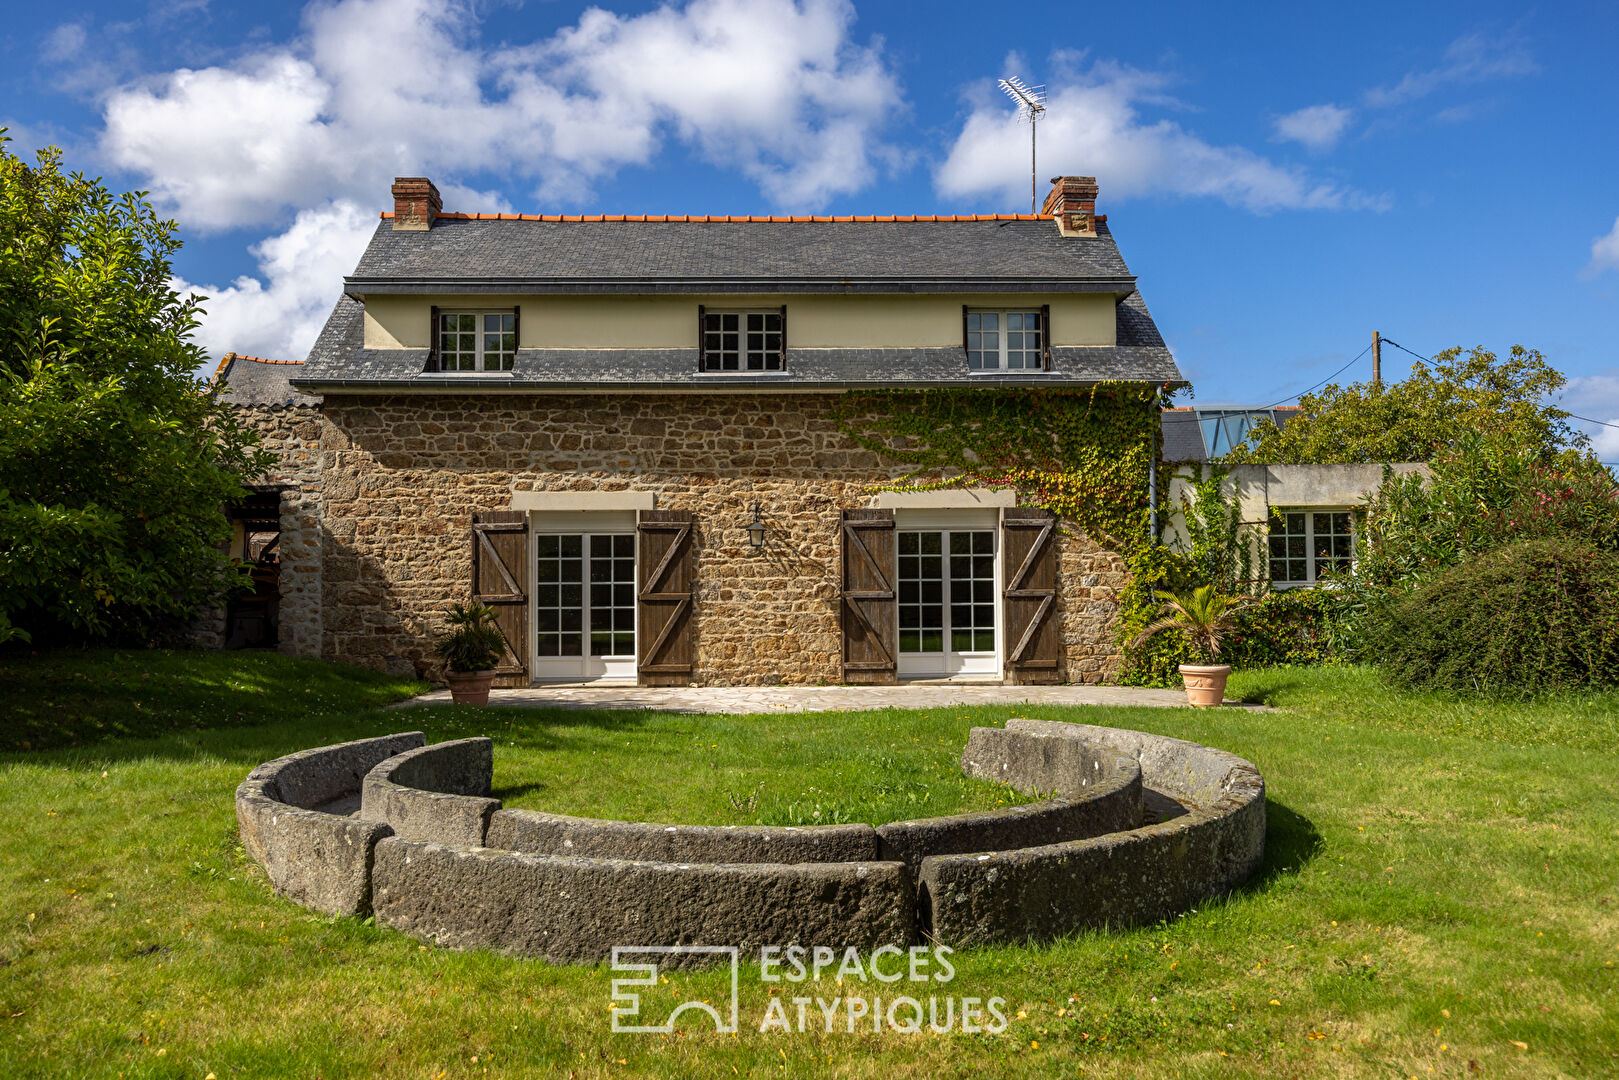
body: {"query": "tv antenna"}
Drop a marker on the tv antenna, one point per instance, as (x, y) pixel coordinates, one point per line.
(1031, 104)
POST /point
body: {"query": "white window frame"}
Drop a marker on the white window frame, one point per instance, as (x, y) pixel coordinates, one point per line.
(585, 668)
(1002, 354)
(947, 664)
(743, 314)
(479, 358)
(1310, 556)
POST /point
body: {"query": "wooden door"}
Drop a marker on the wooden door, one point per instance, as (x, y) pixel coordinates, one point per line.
(1029, 555)
(500, 579)
(666, 561)
(869, 613)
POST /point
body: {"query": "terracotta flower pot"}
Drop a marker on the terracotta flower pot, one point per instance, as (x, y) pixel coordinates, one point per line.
(472, 687)
(1205, 683)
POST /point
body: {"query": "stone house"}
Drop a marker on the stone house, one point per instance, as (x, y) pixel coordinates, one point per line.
(618, 431)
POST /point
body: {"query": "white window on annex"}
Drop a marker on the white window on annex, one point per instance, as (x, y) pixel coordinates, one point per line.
(477, 341)
(1005, 340)
(742, 341)
(1307, 545)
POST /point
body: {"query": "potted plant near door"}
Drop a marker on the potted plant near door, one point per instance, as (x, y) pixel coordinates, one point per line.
(470, 652)
(1203, 617)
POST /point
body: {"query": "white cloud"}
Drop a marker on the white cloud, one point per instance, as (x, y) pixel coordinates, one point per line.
(1318, 127)
(1472, 58)
(1604, 252)
(64, 43)
(279, 314)
(1596, 396)
(771, 88)
(1093, 127)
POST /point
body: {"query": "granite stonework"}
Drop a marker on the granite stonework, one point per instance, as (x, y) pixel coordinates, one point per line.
(292, 432)
(1020, 873)
(403, 474)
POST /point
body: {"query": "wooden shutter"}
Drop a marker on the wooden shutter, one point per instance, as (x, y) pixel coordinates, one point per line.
(432, 339)
(500, 579)
(702, 338)
(666, 560)
(1029, 554)
(1045, 336)
(870, 616)
(965, 348)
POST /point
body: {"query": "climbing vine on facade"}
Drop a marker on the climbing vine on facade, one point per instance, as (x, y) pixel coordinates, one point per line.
(1086, 455)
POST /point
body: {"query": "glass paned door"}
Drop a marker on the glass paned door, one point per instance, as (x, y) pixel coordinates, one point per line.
(584, 605)
(947, 609)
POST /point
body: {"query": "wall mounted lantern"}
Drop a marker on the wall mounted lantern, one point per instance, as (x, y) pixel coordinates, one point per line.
(756, 529)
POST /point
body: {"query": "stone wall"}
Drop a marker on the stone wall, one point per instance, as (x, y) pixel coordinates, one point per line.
(293, 434)
(402, 476)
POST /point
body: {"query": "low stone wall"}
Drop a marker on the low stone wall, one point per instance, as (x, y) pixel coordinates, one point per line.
(537, 833)
(438, 793)
(317, 859)
(573, 909)
(432, 855)
(1126, 878)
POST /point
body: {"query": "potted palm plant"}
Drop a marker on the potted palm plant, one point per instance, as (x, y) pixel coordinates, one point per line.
(470, 651)
(1203, 617)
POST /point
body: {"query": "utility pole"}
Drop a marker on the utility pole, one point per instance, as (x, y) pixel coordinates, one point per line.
(1377, 359)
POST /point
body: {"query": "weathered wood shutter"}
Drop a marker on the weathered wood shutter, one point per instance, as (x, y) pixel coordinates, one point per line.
(1045, 336)
(870, 615)
(432, 339)
(1029, 554)
(500, 579)
(702, 338)
(667, 565)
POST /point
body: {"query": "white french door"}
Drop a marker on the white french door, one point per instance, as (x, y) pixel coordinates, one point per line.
(584, 597)
(948, 609)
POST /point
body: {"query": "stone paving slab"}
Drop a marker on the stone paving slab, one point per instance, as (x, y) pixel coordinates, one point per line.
(786, 699)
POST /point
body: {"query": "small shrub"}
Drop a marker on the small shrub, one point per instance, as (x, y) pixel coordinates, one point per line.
(1288, 626)
(1531, 617)
(474, 642)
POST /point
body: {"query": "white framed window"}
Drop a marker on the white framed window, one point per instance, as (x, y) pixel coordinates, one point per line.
(743, 340)
(1306, 544)
(476, 341)
(947, 594)
(1005, 340)
(582, 606)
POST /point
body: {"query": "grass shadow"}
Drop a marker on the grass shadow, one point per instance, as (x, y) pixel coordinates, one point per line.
(1291, 842)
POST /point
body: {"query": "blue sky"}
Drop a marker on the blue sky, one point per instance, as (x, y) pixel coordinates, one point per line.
(1283, 182)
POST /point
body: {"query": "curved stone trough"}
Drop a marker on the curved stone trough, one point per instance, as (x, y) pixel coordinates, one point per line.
(1134, 828)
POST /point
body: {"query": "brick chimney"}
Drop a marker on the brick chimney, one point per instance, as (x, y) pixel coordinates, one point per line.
(416, 203)
(1073, 203)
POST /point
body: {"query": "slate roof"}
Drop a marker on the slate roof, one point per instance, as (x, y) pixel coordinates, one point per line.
(339, 360)
(539, 254)
(253, 380)
(1017, 253)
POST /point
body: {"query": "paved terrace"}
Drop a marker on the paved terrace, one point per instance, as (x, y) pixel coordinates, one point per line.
(784, 699)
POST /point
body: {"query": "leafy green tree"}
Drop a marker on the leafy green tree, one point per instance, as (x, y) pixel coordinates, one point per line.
(118, 462)
(1415, 419)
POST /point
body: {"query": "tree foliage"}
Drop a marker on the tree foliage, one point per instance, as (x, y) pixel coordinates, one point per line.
(117, 462)
(1414, 420)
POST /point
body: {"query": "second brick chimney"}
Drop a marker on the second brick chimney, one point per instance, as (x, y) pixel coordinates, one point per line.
(416, 202)
(1073, 203)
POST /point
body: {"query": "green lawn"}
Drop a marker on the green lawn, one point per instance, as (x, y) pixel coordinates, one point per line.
(1440, 898)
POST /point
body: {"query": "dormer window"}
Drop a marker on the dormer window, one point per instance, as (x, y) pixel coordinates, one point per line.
(1006, 339)
(476, 341)
(741, 341)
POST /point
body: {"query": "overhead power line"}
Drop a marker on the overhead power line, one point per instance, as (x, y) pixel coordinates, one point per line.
(1323, 382)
